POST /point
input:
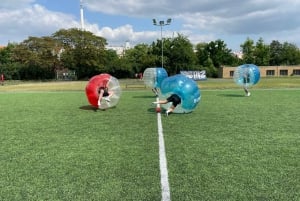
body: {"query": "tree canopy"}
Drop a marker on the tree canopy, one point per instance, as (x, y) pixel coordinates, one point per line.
(87, 55)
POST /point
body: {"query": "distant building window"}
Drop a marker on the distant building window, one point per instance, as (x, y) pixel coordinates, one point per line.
(296, 72)
(270, 72)
(231, 73)
(283, 72)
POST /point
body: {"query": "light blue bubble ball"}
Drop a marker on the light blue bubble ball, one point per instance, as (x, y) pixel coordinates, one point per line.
(153, 77)
(186, 88)
(241, 71)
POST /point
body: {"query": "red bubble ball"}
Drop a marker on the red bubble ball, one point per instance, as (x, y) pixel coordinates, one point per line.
(103, 80)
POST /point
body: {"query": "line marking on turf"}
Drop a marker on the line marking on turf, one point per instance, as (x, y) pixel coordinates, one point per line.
(164, 181)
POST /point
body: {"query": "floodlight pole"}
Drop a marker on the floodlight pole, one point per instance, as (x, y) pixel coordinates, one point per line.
(161, 24)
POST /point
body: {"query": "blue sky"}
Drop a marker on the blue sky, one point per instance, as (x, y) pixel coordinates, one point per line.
(232, 21)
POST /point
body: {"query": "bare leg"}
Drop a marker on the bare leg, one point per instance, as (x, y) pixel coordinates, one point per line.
(170, 110)
(155, 90)
(100, 97)
(160, 102)
(246, 91)
(111, 93)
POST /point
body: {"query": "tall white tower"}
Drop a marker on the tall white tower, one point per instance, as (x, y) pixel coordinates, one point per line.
(81, 15)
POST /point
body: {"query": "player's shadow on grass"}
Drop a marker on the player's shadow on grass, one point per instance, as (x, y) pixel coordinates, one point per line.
(163, 112)
(88, 107)
(231, 95)
(152, 110)
(145, 96)
(91, 108)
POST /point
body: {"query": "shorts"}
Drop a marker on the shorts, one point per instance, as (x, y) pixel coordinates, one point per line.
(105, 91)
(105, 94)
(175, 99)
(246, 80)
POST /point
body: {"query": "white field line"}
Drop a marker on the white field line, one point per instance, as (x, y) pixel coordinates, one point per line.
(164, 181)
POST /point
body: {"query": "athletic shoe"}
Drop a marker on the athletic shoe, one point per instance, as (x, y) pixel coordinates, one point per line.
(155, 102)
(248, 94)
(167, 113)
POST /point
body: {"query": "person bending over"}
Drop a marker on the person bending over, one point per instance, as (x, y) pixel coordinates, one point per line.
(174, 98)
(105, 94)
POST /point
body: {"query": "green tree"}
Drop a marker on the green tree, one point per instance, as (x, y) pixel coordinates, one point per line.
(180, 54)
(211, 70)
(7, 65)
(275, 53)
(261, 53)
(6, 54)
(156, 50)
(111, 62)
(140, 57)
(213, 55)
(290, 54)
(82, 51)
(38, 57)
(201, 53)
(219, 53)
(248, 48)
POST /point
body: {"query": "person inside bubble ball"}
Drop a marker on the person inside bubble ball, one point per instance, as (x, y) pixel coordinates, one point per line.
(246, 80)
(104, 93)
(174, 98)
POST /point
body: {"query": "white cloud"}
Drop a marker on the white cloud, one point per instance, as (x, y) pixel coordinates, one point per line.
(200, 21)
(33, 20)
(13, 4)
(120, 35)
(209, 20)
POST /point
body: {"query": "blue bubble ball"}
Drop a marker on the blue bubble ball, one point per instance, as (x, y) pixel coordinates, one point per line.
(186, 88)
(153, 77)
(247, 69)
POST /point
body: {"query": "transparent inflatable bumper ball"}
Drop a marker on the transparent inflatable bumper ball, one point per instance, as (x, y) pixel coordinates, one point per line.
(101, 80)
(247, 74)
(186, 88)
(153, 77)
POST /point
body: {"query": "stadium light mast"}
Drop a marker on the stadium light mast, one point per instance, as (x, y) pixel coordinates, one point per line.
(162, 23)
(81, 15)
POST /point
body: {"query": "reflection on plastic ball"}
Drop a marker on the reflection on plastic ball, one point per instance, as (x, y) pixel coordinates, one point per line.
(154, 76)
(246, 74)
(186, 88)
(101, 80)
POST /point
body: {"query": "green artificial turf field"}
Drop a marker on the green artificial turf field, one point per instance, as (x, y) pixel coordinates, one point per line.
(55, 146)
